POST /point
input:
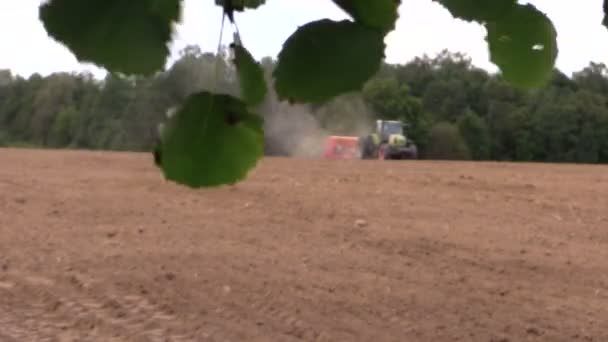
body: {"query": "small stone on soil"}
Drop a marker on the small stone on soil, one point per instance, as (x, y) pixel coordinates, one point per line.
(361, 223)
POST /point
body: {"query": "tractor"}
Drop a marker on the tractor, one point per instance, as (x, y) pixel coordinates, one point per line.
(388, 142)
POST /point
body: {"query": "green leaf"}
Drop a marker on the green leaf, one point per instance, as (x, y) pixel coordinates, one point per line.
(212, 140)
(478, 10)
(230, 6)
(378, 14)
(605, 20)
(240, 5)
(523, 44)
(323, 59)
(129, 37)
(251, 76)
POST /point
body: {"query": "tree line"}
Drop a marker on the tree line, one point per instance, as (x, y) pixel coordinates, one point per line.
(454, 110)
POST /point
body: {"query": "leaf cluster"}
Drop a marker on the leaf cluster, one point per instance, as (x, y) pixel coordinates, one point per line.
(318, 62)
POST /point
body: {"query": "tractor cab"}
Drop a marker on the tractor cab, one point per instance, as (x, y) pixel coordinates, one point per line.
(390, 132)
(386, 129)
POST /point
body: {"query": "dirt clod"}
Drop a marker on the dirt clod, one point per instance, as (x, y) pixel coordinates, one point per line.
(361, 223)
(533, 331)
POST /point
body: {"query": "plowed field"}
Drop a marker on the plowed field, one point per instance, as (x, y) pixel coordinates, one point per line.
(98, 247)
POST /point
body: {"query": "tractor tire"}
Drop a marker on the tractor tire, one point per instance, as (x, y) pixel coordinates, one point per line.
(367, 147)
(411, 153)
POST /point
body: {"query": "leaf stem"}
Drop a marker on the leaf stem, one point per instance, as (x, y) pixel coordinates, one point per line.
(218, 53)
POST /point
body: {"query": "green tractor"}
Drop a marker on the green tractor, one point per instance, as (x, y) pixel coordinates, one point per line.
(388, 142)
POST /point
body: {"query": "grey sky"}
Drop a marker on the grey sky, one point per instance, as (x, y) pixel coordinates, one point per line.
(424, 28)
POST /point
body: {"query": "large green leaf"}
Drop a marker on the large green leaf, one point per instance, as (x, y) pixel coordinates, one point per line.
(605, 20)
(251, 76)
(129, 37)
(523, 44)
(478, 10)
(325, 58)
(212, 140)
(378, 14)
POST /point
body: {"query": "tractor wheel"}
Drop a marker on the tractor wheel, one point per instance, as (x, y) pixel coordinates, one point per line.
(367, 148)
(364, 147)
(412, 152)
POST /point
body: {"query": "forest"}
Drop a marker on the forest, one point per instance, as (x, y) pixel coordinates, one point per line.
(453, 109)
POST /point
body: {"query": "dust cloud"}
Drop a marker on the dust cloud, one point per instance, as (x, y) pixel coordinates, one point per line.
(296, 131)
(292, 130)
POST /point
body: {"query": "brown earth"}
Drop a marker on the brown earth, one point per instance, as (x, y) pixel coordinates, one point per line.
(98, 247)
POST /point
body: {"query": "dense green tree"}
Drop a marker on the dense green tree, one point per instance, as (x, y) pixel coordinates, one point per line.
(475, 132)
(446, 143)
(594, 78)
(63, 128)
(481, 115)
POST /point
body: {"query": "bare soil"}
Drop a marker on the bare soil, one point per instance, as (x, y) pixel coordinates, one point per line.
(98, 247)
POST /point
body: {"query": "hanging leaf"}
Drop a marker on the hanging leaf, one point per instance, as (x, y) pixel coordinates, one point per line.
(240, 5)
(251, 76)
(377, 14)
(523, 44)
(325, 58)
(605, 20)
(478, 10)
(129, 37)
(212, 140)
(231, 6)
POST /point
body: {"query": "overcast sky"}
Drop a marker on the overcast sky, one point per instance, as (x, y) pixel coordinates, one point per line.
(423, 28)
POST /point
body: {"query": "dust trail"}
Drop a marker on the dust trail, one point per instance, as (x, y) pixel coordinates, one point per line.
(298, 131)
(291, 130)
